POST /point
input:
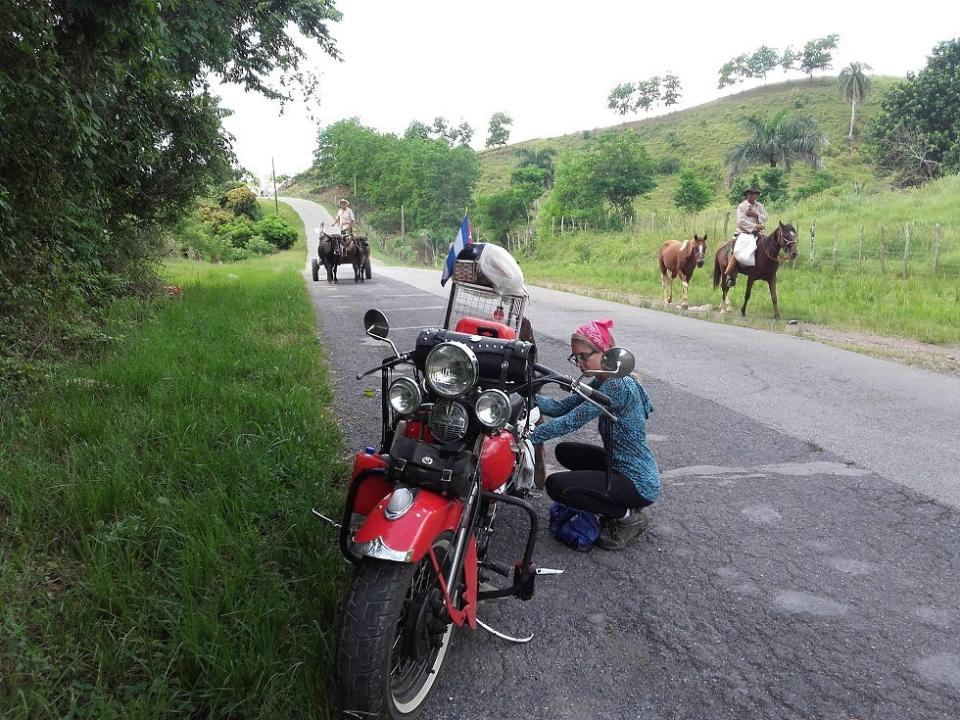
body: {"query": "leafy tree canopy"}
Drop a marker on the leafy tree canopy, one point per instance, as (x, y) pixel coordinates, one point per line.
(693, 193)
(498, 132)
(431, 180)
(109, 133)
(916, 134)
(816, 54)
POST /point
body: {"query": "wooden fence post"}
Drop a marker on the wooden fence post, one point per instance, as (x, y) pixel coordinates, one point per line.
(860, 250)
(653, 222)
(906, 249)
(882, 253)
(936, 249)
(813, 240)
(403, 227)
(561, 225)
(836, 234)
(726, 223)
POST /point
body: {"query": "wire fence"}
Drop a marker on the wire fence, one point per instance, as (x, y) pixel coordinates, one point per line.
(919, 247)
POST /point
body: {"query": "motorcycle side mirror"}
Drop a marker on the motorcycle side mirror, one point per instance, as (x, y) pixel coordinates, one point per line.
(375, 324)
(618, 361)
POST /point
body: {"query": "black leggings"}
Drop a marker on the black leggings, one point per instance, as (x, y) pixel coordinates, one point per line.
(585, 486)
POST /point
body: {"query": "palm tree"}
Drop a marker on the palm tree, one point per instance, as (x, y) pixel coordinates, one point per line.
(542, 158)
(854, 88)
(781, 139)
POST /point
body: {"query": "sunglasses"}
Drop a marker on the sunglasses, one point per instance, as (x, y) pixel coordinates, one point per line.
(580, 358)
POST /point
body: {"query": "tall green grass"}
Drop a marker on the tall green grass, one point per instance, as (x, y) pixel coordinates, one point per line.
(157, 552)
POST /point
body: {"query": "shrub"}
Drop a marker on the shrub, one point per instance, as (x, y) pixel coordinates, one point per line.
(693, 193)
(238, 233)
(668, 165)
(258, 245)
(276, 231)
(214, 218)
(242, 201)
(820, 182)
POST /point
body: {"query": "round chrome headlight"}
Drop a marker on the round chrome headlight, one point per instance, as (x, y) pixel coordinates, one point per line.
(448, 421)
(451, 369)
(493, 409)
(404, 396)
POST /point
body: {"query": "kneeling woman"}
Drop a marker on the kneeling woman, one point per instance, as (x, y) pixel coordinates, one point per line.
(634, 477)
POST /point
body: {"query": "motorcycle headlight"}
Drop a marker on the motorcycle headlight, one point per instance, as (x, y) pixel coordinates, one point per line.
(451, 369)
(404, 396)
(493, 409)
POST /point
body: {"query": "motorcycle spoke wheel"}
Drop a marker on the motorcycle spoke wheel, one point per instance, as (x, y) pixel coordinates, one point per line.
(392, 644)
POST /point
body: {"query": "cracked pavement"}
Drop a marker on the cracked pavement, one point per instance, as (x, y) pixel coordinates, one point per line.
(791, 568)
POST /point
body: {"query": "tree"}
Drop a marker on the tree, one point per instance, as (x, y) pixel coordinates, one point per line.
(854, 88)
(614, 168)
(110, 133)
(620, 99)
(417, 129)
(763, 60)
(771, 182)
(542, 158)
(917, 130)
(816, 54)
(781, 139)
(671, 90)
(498, 133)
(648, 94)
(788, 61)
(734, 71)
(464, 133)
(692, 193)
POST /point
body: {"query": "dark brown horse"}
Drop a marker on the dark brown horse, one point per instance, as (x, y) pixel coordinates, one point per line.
(779, 245)
(680, 259)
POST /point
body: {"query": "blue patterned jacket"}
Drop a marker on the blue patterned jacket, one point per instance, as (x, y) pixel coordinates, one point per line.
(632, 406)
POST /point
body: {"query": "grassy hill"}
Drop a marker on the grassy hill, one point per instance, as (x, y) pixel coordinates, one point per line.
(702, 136)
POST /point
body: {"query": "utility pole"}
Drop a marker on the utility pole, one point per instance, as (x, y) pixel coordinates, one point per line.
(273, 171)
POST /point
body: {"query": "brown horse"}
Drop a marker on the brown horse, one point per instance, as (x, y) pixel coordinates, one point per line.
(779, 245)
(681, 259)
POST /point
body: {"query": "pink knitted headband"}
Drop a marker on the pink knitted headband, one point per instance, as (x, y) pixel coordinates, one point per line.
(596, 334)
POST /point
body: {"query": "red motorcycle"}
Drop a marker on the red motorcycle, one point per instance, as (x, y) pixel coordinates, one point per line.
(419, 513)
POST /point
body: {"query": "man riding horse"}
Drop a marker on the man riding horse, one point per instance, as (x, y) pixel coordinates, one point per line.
(751, 218)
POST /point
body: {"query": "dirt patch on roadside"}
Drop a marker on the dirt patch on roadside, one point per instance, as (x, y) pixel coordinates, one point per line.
(937, 358)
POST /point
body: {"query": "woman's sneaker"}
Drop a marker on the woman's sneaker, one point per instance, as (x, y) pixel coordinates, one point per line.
(617, 534)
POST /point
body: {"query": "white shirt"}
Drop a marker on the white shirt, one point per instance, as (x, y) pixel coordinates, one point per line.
(345, 218)
(748, 224)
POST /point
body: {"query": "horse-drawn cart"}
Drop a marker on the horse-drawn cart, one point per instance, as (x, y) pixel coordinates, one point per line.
(331, 253)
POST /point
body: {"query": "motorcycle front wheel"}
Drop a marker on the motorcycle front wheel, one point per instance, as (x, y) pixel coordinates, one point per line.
(394, 636)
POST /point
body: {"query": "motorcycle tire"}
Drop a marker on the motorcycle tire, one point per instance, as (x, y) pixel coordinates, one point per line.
(315, 267)
(385, 613)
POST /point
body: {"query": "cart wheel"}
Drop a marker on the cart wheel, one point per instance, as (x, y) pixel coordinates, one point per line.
(315, 267)
(367, 270)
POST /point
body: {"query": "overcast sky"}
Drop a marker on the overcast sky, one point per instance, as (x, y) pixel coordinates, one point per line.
(550, 64)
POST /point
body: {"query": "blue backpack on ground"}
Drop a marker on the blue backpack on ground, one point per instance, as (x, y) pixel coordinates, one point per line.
(577, 528)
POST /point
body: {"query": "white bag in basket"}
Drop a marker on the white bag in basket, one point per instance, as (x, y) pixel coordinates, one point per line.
(744, 249)
(503, 272)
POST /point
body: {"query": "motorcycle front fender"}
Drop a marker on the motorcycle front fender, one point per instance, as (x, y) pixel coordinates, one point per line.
(406, 538)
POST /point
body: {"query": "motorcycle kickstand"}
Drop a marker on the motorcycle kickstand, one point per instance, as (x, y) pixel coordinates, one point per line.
(501, 635)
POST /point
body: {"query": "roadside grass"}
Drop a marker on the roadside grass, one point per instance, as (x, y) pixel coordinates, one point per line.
(157, 552)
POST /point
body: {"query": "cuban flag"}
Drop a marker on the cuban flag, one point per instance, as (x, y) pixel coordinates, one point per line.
(464, 238)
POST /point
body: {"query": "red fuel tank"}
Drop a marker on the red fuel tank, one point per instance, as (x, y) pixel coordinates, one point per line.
(497, 459)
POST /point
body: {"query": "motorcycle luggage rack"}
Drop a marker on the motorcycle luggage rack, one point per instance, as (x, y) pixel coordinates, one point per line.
(479, 301)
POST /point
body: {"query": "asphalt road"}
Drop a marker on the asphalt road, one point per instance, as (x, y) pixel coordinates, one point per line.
(802, 561)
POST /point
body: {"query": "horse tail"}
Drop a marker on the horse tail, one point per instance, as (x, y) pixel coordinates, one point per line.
(716, 270)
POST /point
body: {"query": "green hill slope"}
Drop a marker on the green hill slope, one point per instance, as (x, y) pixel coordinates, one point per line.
(702, 136)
